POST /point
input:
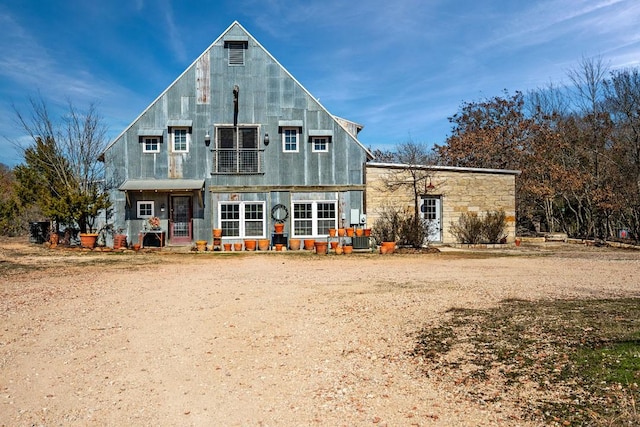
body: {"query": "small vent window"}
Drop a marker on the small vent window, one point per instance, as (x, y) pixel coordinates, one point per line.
(236, 51)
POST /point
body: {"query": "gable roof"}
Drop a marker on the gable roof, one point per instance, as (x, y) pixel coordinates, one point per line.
(340, 122)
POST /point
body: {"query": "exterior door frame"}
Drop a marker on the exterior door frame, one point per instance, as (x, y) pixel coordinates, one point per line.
(181, 231)
(431, 210)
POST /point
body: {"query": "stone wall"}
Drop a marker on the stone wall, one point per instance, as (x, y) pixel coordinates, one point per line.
(460, 189)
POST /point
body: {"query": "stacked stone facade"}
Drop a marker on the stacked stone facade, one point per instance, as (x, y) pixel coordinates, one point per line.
(460, 190)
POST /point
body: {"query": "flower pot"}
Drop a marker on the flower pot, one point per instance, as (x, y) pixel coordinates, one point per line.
(278, 227)
(350, 232)
(227, 247)
(263, 244)
(279, 247)
(367, 232)
(339, 250)
(332, 232)
(518, 241)
(342, 232)
(53, 239)
(359, 232)
(347, 249)
(333, 245)
(321, 247)
(136, 247)
(88, 240)
(250, 245)
(119, 241)
(294, 244)
(237, 247)
(309, 244)
(201, 245)
(387, 247)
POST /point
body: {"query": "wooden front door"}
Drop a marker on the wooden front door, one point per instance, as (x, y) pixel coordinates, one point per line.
(181, 230)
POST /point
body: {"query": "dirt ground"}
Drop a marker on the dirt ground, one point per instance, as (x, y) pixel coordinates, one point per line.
(277, 339)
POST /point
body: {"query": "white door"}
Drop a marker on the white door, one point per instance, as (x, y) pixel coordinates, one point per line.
(431, 208)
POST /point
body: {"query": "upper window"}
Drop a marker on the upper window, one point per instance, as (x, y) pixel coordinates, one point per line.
(290, 138)
(237, 150)
(236, 51)
(314, 218)
(150, 144)
(145, 209)
(180, 140)
(242, 219)
(320, 144)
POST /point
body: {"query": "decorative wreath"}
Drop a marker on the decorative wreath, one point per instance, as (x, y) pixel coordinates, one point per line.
(279, 213)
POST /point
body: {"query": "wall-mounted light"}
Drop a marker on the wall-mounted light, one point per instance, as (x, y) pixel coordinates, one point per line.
(162, 207)
(429, 187)
(266, 139)
(207, 139)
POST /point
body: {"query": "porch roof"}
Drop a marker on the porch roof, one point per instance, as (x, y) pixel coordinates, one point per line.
(162, 185)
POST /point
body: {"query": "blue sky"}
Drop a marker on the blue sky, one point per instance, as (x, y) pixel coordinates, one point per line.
(398, 68)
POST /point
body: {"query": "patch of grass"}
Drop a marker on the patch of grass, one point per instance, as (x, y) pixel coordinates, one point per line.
(578, 360)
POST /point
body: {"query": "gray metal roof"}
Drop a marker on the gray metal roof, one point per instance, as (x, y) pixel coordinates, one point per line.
(162, 185)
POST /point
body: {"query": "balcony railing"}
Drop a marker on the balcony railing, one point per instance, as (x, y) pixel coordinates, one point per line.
(238, 162)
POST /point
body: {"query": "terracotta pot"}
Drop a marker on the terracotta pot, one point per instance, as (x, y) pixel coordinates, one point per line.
(347, 249)
(359, 232)
(332, 232)
(119, 241)
(321, 247)
(518, 241)
(350, 232)
(367, 232)
(339, 250)
(53, 239)
(279, 247)
(136, 247)
(250, 245)
(88, 240)
(237, 247)
(263, 244)
(217, 233)
(342, 232)
(309, 244)
(202, 245)
(227, 247)
(294, 244)
(278, 227)
(333, 245)
(387, 247)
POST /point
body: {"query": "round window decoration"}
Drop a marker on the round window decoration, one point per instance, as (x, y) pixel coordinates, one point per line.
(279, 213)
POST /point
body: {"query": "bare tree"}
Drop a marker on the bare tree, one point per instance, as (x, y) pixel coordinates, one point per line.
(61, 172)
(412, 174)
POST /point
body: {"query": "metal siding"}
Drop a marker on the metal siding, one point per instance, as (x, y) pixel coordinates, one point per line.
(268, 94)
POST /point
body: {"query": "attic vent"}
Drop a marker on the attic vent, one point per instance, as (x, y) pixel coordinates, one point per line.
(236, 51)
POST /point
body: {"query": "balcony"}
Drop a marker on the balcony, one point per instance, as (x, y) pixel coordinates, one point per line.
(248, 161)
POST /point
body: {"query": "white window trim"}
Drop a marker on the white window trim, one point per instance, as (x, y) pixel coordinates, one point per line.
(173, 139)
(313, 144)
(144, 144)
(284, 140)
(145, 202)
(241, 229)
(314, 217)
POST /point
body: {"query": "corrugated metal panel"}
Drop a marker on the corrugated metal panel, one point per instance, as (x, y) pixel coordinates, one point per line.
(162, 184)
(203, 66)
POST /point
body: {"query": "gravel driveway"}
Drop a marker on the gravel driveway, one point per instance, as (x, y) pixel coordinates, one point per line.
(259, 339)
